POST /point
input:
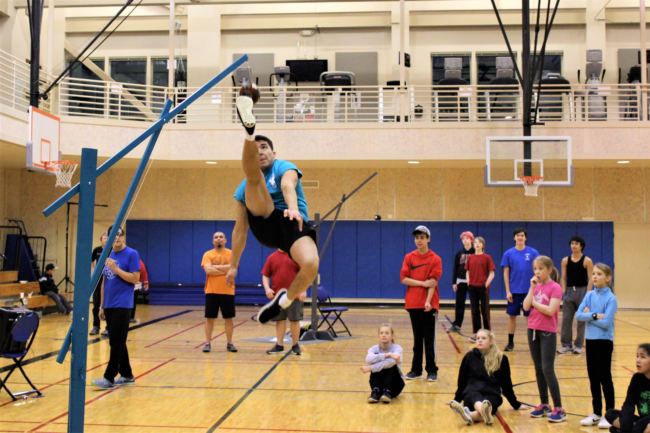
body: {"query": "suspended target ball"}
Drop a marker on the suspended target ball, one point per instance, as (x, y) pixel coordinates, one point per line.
(251, 91)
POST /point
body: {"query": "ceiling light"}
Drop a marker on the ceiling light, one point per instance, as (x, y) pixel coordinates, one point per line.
(211, 162)
(623, 161)
(413, 162)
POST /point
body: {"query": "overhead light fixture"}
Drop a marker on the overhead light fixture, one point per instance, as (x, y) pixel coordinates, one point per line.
(623, 161)
(211, 162)
(413, 162)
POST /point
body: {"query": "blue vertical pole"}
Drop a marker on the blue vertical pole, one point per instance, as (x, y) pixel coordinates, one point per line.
(77, 394)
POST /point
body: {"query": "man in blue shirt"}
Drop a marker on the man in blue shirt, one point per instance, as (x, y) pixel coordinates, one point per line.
(271, 202)
(120, 274)
(517, 264)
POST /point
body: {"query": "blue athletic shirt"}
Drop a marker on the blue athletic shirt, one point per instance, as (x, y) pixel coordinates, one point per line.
(520, 263)
(117, 292)
(273, 178)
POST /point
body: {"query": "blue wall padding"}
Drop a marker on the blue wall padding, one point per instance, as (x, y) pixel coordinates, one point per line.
(364, 257)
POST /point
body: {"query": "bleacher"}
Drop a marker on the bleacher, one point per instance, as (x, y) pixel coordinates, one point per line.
(13, 292)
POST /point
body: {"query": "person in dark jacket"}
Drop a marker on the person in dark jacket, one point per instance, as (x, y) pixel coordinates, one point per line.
(48, 288)
(483, 376)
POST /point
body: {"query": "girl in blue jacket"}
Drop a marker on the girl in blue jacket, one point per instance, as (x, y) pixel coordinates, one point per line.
(598, 309)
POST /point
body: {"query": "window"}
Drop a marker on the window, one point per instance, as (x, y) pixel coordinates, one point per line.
(486, 66)
(125, 72)
(159, 68)
(438, 66)
(83, 97)
(552, 63)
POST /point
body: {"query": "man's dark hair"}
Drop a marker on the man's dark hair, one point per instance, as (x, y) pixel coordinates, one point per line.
(579, 240)
(119, 229)
(518, 230)
(265, 138)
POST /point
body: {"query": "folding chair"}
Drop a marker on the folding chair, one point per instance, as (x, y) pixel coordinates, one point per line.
(330, 314)
(22, 332)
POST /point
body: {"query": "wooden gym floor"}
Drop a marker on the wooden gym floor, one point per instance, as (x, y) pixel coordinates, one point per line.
(179, 389)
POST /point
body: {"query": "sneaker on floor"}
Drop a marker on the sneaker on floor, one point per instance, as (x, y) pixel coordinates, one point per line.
(94, 331)
(486, 412)
(296, 350)
(231, 348)
(509, 348)
(272, 308)
(276, 350)
(105, 333)
(206, 347)
(432, 377)
(133, 321)
(375, 395)
(386, 397)
(462, 411)
(411, 375)
(590, 420)
(124, 380)
(244, 106)
(577, 350)
(472, 338)
(604, 424)
(540, 410)
(103, 383)
(558, 415)
(454, 328)
(564, 349)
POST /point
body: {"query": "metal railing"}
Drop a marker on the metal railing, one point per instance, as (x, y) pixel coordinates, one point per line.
(370, 104)
(315, 104)
(14, 83)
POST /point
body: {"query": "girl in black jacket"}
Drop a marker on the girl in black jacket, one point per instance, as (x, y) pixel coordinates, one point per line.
(483, 376)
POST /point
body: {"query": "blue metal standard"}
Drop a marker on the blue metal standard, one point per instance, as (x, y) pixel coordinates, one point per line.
(85, 283)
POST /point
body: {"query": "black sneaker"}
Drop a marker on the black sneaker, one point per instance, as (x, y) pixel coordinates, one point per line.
(375, 395)
(244, 105)
(432, 377)
(277, 349)
(296, 349)
(454, 328)
(411, 375)
(509, 348)
(231, 348)
(94, 331)
(386, 397)
(272, 308)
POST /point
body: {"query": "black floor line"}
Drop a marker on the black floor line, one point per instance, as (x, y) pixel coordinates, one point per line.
(95, 340)
(234, 407)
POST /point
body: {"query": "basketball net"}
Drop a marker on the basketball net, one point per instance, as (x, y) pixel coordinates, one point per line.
(63, 170)
(531, 183)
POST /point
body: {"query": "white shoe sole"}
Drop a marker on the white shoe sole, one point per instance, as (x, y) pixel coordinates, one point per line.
(244, 106)
(276, 300)
(460, 410)
(486, 413)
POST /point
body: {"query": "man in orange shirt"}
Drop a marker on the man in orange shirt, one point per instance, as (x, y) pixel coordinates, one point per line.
(421, 271)
(218, 294)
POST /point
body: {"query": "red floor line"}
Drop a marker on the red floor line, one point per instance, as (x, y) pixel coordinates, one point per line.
(174, 335)
(453, 342)
(628, 369)
(103, 394)
(55, 383)
(503, 423)
(222, 333)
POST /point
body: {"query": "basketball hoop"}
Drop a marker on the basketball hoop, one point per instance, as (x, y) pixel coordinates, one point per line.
(63, 171)
(531, 183)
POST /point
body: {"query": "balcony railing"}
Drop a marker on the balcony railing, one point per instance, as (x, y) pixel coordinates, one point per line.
(315, 104)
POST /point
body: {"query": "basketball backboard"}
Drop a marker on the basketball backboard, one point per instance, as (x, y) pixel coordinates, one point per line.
(550, 157)
(43, 140)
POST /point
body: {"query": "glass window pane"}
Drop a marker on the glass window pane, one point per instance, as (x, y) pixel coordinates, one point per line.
(438, 66)
(129, 70)
(486, 66)
(82, 97)
(159, 68)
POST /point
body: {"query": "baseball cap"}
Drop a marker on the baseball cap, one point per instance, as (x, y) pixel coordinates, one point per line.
(422, 230)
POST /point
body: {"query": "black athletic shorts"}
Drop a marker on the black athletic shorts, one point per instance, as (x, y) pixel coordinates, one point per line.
(276, 231)
(215, 302)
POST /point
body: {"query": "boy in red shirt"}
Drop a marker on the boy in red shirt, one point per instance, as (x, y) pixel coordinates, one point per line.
(421, 271)
(480, 273)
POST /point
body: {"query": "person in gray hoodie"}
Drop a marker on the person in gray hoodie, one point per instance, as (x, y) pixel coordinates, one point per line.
(598, 309)
(382, 362)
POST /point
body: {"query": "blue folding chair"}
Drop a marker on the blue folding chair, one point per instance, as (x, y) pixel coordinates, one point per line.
(330, 314)
(22, 332)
